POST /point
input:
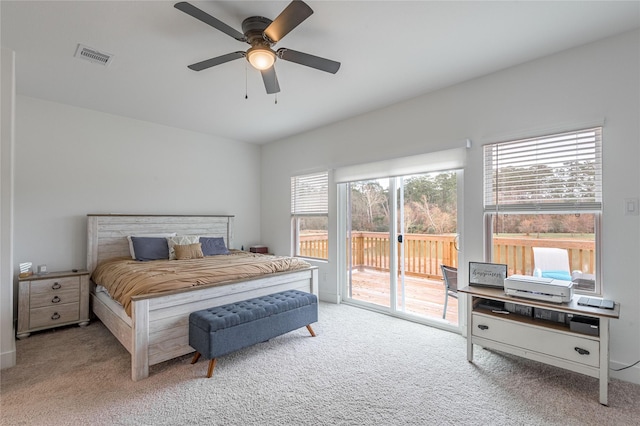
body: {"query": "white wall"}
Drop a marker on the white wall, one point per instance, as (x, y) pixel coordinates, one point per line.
(590, 85)
(7, 89)
(71, 161)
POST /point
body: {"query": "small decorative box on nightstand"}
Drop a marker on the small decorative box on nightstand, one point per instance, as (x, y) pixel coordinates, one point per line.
(52, 300)
(259, 249)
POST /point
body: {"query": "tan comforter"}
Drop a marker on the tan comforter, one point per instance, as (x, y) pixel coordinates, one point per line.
(124, 277)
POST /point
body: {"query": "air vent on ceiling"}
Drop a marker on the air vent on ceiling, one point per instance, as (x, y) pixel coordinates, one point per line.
(92, 55)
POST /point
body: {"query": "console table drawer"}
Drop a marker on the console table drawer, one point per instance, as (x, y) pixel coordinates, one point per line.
(538, 339)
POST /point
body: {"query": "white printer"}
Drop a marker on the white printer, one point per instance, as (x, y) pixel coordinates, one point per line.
(539, 288)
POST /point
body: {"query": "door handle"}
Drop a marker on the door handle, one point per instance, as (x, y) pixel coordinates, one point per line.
(399, 238)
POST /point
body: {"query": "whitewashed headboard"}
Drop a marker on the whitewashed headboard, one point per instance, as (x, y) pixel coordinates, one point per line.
(107, 233)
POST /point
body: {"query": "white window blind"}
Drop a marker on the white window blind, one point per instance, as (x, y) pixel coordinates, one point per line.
(553, 173)
(451, 159)
(310, 194)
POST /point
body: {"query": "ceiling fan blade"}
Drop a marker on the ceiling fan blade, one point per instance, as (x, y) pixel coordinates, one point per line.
(189, 9)
(312, 61)
(270, 80)
(216, 61)
(292, 16)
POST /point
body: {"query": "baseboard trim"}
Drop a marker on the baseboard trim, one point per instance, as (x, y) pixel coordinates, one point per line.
(329, 297)
(8, 359)
(628, 375)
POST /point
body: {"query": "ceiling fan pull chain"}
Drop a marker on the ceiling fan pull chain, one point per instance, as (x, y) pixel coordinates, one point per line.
(276, 96)
(246, 90)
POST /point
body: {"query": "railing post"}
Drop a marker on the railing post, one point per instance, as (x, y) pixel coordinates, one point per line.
(360, 245)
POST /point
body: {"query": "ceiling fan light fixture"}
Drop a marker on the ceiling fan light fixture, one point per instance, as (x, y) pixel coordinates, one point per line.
(261, 58)
(261, 34)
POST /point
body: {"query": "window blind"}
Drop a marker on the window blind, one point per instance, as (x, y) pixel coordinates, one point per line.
(450, 159)
(310, 194)
(553, 173)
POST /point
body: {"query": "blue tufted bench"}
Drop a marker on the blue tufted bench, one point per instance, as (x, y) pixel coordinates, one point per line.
(220, 330)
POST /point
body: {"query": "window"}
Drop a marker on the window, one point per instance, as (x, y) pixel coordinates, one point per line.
(546, 193)
(310, 215)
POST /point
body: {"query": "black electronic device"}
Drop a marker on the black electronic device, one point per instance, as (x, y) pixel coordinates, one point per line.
(585, 325)
(491, 305)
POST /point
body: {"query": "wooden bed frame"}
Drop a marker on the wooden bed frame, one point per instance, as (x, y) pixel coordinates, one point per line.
(159, 325)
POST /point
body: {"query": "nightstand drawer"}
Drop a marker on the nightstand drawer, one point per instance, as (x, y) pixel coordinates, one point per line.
(54, 285)
(52, 300)
(54, 315)
(64, 292)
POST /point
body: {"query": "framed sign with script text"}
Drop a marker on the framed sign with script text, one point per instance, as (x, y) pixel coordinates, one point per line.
(487, 274)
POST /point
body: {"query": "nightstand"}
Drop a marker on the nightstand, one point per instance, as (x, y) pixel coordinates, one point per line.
(52, 300)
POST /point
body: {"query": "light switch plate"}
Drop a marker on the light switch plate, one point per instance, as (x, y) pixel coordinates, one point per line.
(631, 207)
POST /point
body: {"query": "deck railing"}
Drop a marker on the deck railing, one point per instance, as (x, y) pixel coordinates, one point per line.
(518, 254)
(424, 253)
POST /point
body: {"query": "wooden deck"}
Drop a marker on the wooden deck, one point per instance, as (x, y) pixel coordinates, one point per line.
(424, 297)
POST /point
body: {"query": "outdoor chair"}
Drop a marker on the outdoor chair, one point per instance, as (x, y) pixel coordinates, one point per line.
(553, 263)
(450, 276)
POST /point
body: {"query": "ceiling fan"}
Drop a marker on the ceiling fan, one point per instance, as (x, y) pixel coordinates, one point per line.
(262, 33)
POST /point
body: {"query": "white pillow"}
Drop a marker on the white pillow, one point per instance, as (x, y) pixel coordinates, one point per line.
(180, 240)
(161, 235)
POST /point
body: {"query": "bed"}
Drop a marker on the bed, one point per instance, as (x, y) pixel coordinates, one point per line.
(157, 328)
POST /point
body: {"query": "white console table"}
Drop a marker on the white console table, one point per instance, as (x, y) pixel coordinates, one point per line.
(545, 341)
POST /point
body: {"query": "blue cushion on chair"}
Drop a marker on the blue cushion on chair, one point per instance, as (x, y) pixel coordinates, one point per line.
(557, 275)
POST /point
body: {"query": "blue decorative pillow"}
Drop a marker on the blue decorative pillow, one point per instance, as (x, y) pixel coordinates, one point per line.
(212, 246)
(150, 248)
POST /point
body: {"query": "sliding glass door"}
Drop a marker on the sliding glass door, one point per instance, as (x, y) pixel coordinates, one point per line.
(399, 231)
(369, 224)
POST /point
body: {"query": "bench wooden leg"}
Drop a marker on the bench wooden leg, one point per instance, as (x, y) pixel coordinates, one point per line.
(212, 365)
(311, 331)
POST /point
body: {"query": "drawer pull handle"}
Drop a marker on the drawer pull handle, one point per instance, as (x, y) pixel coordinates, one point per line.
(55, 300)
(484, 327)
(56, 286)
(55, 316)
(581, 351)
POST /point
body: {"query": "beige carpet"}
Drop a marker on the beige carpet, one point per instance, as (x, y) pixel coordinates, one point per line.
(361, 369)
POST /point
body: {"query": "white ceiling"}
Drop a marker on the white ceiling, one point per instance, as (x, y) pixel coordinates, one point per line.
(390, 51)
